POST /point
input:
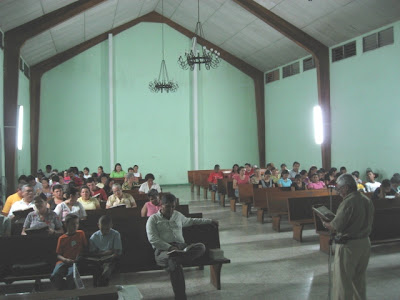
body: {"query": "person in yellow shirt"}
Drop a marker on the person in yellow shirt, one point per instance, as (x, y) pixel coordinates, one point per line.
(12, 199)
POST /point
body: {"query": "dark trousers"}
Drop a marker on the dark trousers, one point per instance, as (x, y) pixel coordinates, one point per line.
(103, 272)
(173, 265)
(57, 278)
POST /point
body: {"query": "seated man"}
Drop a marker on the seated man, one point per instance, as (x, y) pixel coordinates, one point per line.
(384, 191)
(106, 242)
(119, 198)
(95, 190)
(25, 203)
(164, 231)
(69, 247)
(371, 185)
(13, 198)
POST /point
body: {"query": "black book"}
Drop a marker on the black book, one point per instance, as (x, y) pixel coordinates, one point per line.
(324, 213)
(40, 229)
(22, 213)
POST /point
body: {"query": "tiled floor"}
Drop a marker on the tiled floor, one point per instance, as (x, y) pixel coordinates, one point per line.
(264, 264)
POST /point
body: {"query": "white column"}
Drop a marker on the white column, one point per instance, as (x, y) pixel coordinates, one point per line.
(111, 97)
(195, 111)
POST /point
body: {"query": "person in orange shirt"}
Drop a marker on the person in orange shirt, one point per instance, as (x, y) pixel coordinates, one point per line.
(213, 181)
(12, 199)
(69, 247)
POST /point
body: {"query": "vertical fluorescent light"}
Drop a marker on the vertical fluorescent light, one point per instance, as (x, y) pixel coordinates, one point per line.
(20, 126)
(318, 126)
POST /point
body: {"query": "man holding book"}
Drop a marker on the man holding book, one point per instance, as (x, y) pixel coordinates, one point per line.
(25, 202)
(164, 231)
(352, 224)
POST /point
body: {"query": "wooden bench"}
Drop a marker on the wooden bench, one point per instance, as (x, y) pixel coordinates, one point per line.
(225, 188)
(246, 197)
(198, 178)
(138, 255)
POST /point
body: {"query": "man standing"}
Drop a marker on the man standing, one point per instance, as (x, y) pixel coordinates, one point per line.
(353, 223)
(164, 231)
(295, 170)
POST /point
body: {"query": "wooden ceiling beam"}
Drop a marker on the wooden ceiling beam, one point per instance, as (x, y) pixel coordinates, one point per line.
(320, 53)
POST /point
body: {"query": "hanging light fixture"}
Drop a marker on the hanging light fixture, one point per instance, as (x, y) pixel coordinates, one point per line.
(208, 58)
(163, 83)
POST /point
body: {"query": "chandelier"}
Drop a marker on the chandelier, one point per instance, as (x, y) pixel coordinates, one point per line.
(163, 83)
(208, 58)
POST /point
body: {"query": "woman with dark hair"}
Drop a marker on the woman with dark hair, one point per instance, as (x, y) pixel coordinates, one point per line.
(235, 171)
(284, 181)
(46, 189)
(137, 174)
(312, 171)
(88, 202)
(108, 186)
(100, 171)
(58, 194)
(240, 178)
(118, 172)
(298, 185)
(330, 177)
(71, 205)
(149, 184)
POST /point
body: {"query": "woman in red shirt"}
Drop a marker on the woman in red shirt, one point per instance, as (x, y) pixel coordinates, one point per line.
(240, 178)
(235, 171)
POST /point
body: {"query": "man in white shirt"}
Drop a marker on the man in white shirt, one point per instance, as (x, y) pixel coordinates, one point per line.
(164, 231)
(371, 185)
(149, 184)
(295, 170)
(25, 203)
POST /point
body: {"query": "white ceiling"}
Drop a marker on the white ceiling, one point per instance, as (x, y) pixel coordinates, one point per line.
(225, 24)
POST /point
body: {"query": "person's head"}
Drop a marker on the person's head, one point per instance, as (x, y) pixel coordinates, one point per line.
(304, 174)
(105, 224)
(297, 178)
(312, 170)
(274, 171)
(283, 167)
(149, 178)
(135, 168)
(332, 172)
(386, 186)
(345, 185)
(86, 170)
(235, 168)
(103, 179)
(285, 174)
(117, 190)
(314, 178)
(23, 178)
(154, 197)
(117, 167)
(55, 178)
(356, 174)
(130, 170)
(85, 192)
(216, 168)
(343, 170)
(45, 182)
(81, 174)
(48, 168)
(100, 170)
(395, 182)
(91, 184)
(130, 177)
(257, 172)
(296, 166)
(320, 174)
(370, 176)
(27, 193)
(168, 203)
(71, 172)
(40, 205)
(241, 170)
(248, 167)
(267, 175)
(58, 192)
(31, 180)
(72, 194)
(71, 223)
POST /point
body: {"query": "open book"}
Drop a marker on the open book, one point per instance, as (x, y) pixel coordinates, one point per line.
(176, 251)
(99, 258)
(324, 213)
(118, 206)
(22, 213)
(40, 229)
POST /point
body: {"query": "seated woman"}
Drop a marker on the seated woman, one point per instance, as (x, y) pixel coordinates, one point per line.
(153, 206)
(102, 181)
(304, 177)
(149, 184)
(235, 171)
(298, 185)
(240, 178)
(275, 175)
(42, 217)
(46, 189)
(315, 183)
(256, 178)
(371, 185)
(129, 184)
(267, 182)
(137, 174)
(330, 177)
(108, 186)
(88, 202)
(118, 172)
(312, 171)
(71, 205)
(284, 181)
(100, 171)
(58, 194)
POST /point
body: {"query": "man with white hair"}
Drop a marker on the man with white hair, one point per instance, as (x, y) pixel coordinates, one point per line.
(352, 224)
(120, 198)
(25, 203)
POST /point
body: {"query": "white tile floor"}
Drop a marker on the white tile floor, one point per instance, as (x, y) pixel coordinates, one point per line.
(264, 264)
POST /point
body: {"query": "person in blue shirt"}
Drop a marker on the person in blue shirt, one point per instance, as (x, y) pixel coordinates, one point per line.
(284, 181)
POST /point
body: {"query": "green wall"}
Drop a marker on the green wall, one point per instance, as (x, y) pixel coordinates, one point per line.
(2, 170)
(364, 105)
(151, 130)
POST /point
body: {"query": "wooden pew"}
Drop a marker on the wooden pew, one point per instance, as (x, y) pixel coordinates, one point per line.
(246, 197)
(226, 187)
(198, 178)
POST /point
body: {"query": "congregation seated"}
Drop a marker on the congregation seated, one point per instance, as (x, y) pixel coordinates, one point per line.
(330, 177)
(257, 177)
(371, 185)
(100, 171)
(295, 170)
(86, 173)
(312, 170)
(74, 177)
(130, 183)
(152, 206)
(25, 202)
(315, 183)
(120, 198)
(241, 178)
(71, 205)
(395, 182)
(284, 181)
(95, 190)
(249, 171)
(267, 181)
(88, 202)
(283, 168)
(321, 174)
(37, 186)
(42, 217)
(48, 171)
(275, 175)
(385, 191)
(17, 196)
(342, 170)
(145, 187)
(360, 186)
(108, 187)
(297, 184)
(102, 181)
(235, 171)
(213, 178)
(137, 174)
(304, 177)
(117, 172)
(58, 197)
(46, 189)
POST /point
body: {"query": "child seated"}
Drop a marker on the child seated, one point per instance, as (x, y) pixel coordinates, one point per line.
(153, 206)
(69, 247)
(315, 183)
(284, 181)
(298, 185)
(267, 182)
(106, 244)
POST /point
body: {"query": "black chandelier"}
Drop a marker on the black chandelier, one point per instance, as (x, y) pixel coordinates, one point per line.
(163, 83)
(209, 58)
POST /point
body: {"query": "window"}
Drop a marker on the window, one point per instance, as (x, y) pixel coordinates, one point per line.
(308, 64)
(378, 39)
(344, 51)
(291, 70)
(272, 76)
